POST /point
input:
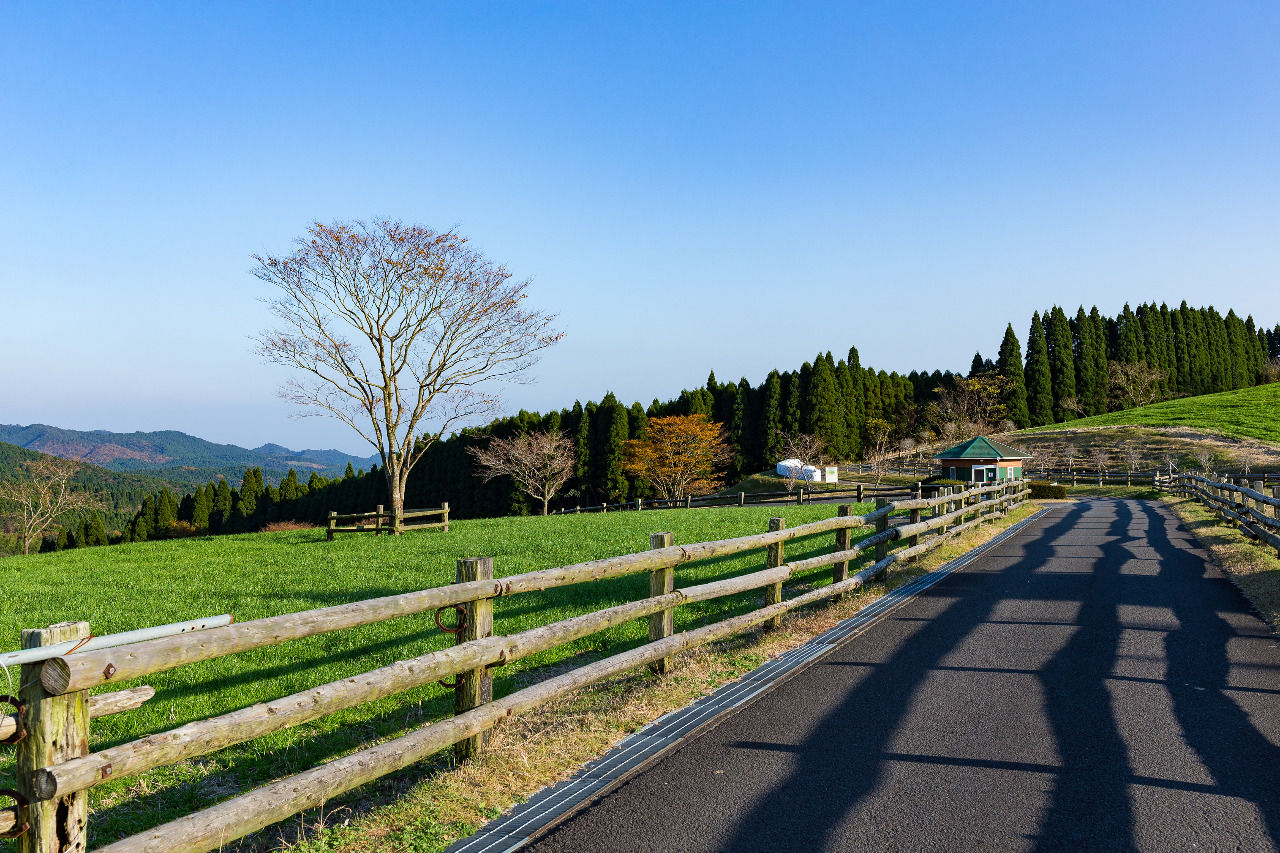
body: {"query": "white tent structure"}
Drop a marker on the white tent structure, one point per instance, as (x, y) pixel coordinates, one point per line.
(797, 469)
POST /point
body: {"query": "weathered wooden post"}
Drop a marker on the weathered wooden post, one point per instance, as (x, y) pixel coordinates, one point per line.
(604, 507)
(639, 504)
(57, 730)
(444, 506)
(1275, 493)
(377, 521)
(860, 493)
(800, 496)
(918, 492)
(333, 522)
(913, 541)
(742, 498)
(661, 581)
(775, 555)
(882, 524)
(475, 687)
(688, 501)
(844, 541)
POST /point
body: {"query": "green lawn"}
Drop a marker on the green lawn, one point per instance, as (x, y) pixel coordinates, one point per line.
(1248, 413)
(131, 586)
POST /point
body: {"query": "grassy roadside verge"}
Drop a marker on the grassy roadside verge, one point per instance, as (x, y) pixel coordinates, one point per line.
(1255, 569)
(432, 805)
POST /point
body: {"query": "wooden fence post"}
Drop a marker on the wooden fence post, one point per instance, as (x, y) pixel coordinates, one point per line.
(377, 521)
(688, 501)
(860, 493)
(844, 541)
(774, 558)
(57, 730)
(913, 541)
(1275, 493)
(475, 687)
(639, 504)
(333, 522)
(445, 506)
(661, 581)
(882, 524)
(742, 498)
(918, 492)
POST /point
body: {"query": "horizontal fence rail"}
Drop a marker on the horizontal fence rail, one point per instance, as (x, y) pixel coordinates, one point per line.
(1243, 502)
(379, 521)
(857, 492)
(55, 707)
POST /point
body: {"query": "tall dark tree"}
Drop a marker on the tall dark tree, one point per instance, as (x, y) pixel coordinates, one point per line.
(1038, 377)
(826, 410)
(1010, 367)
(771, 419)
(1062, 371)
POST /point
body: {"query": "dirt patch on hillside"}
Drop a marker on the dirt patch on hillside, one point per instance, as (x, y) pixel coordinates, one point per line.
(1154, 447)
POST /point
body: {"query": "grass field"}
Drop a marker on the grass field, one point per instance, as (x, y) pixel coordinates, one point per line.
(256, 575)
(1248, 413)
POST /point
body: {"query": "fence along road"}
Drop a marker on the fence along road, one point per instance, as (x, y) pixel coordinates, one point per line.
(1091, 684)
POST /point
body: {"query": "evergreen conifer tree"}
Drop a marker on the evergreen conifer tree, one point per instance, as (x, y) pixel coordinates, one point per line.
(771, 418)
(1062, 371)
(1010, 367)
(97, 530)
(1038, 378)
(826, 410)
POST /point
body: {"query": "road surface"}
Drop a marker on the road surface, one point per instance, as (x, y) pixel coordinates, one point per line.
(1091, 684)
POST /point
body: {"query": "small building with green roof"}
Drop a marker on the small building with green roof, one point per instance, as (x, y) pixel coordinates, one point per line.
(982, 460)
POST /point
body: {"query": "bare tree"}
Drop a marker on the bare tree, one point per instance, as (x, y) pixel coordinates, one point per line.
(398, 331)
(539, 462)
(807, 449)
(41, 495)
(975, 404)
(1100, 457)
(1271, 373)
(1170, 463)
(1133, 384)
(880, 439)
(1206, 457)
(1131, 453)
(1070, 453)
(1248, 457)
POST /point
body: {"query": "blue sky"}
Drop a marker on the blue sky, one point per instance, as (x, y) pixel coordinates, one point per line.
(690, 186)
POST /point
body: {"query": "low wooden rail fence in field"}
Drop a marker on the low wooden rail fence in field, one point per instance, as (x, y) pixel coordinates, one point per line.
(56, 768)
(379, 521)
(1243, 502)
(858, 493)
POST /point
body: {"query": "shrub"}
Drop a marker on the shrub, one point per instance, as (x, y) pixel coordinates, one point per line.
(944, 481)
(280, 526)
(1046, 490)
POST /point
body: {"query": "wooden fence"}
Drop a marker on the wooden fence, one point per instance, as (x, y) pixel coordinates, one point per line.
(378, 521)
(56, 768)
(858, 493)
(1244, 502)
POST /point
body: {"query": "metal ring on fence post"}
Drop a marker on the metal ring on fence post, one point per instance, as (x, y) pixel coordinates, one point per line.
(21, 825)
(21, 733)
(461, 623)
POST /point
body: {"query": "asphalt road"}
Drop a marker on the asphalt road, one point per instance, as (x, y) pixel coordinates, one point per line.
(1092, 684)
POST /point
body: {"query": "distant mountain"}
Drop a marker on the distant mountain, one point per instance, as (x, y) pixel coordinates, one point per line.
(174, 456)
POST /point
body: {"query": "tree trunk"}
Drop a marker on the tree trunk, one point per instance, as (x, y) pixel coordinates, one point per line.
(395, 493)
(545, 501)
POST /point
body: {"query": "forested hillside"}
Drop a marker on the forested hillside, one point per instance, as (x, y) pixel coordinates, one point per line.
(1075, 366)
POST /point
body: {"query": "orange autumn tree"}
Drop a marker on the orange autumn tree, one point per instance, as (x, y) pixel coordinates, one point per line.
(682, 455)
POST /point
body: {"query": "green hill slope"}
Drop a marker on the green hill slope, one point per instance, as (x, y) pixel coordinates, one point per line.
(1247, 413)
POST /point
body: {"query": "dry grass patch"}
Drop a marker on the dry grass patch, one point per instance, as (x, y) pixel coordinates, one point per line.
(431, 806)
(1253, 567)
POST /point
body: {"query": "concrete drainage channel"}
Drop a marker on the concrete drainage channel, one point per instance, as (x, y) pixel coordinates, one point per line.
(516, 828)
